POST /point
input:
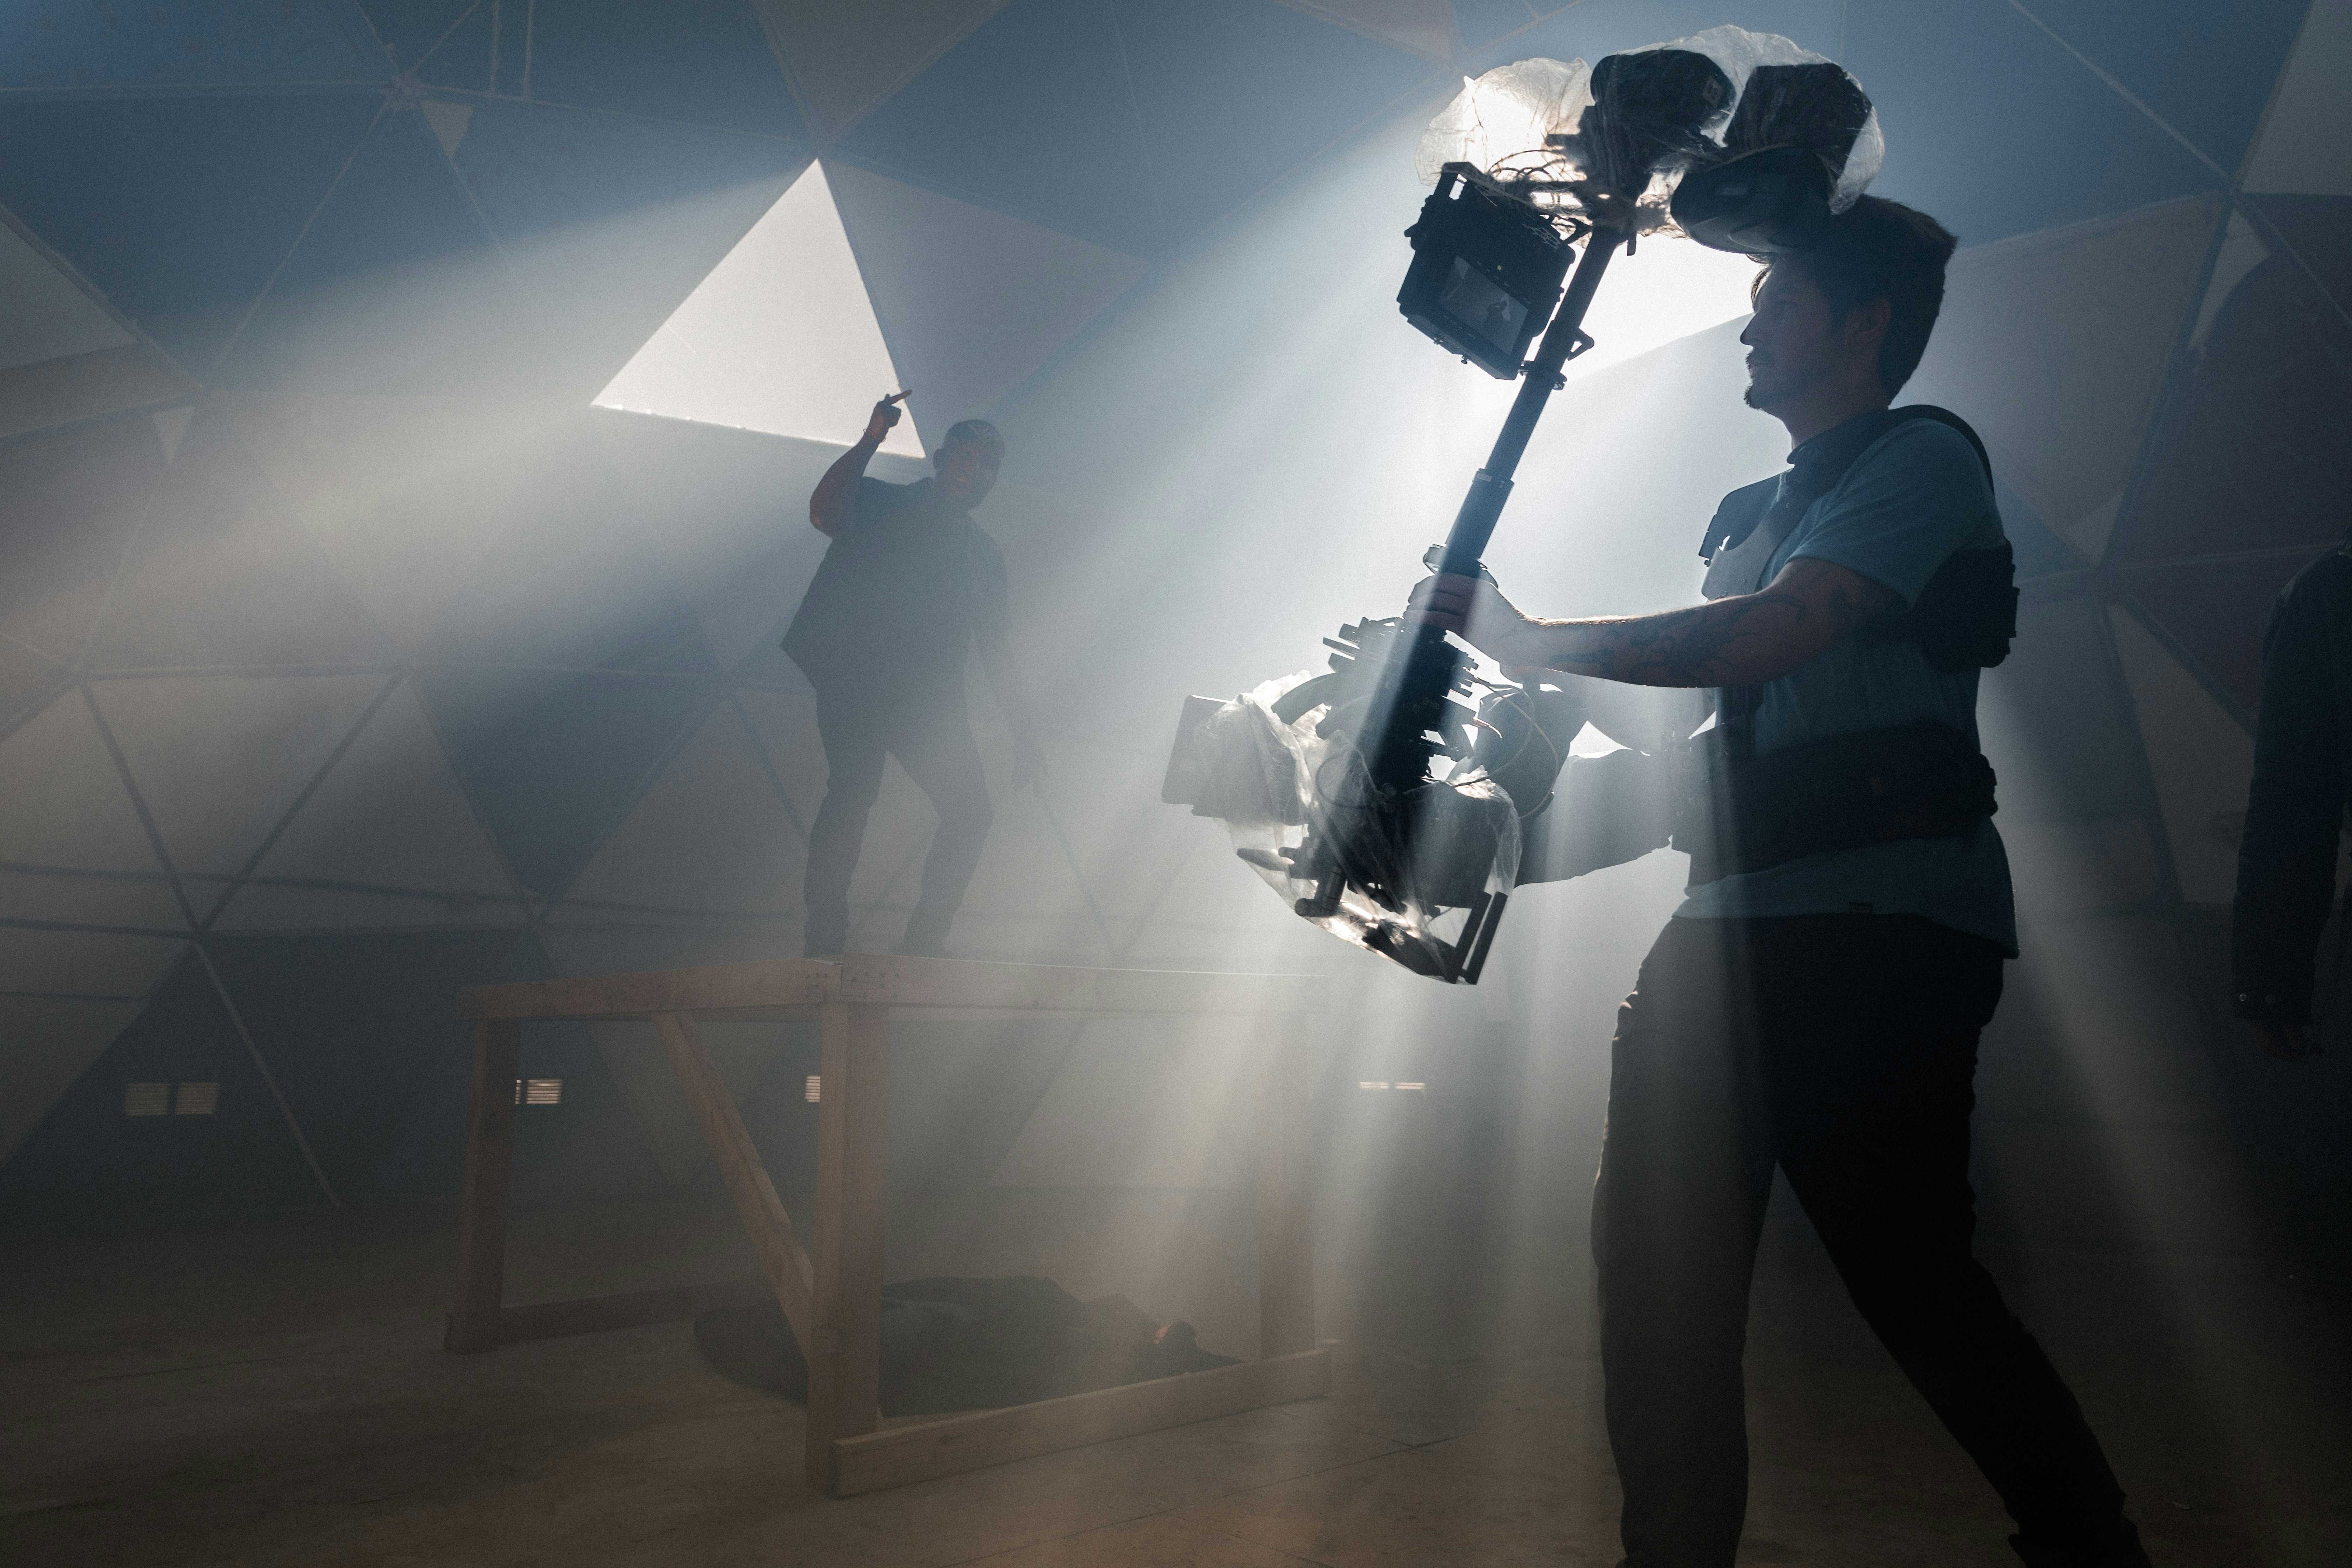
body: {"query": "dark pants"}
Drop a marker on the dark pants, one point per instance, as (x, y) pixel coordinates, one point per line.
(1843, 1047)
(932, 741)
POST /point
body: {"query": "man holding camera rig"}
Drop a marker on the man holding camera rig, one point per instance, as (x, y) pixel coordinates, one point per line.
(1816, 1000)
(908, 585)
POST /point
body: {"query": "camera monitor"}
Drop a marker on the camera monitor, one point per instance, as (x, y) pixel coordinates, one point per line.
(1486, 273)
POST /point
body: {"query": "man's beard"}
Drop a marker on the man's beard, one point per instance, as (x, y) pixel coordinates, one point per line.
(1764, 400)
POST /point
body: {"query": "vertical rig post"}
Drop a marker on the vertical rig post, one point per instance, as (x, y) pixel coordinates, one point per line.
(1473, 525)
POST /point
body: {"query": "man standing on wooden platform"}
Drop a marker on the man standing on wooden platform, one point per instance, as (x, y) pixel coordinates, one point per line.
(908, 584)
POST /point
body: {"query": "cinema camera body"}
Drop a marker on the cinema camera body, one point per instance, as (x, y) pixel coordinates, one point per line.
(1394, 799)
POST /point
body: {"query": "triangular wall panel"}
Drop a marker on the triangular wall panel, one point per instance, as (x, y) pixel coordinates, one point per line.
(734, 529)
(360, 1032)
(2216, 610)
(785, 723)
(554, 760)
(27, 681)
(779, 337)
(2306, 141)
(179, 209)
(310, 42)
(389, 814)
(66, 806)
(2250, 453)
(259, 906)
(70, 501)
(83, 963)
(702, 61)
(404, 495)
(608, 223)
(395, 287)
(90, 1165)
(43, 314)
(1152, 1104)
(2054, 346)
(223, 575)
(710, 834)
(1423, 27)
(2202, 759)
(46, 1043)
(970, 302)
(220, 762)
(845, 59)
(79, 899)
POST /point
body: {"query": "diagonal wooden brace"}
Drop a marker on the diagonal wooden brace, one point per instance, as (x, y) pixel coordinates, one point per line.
(782, 1256)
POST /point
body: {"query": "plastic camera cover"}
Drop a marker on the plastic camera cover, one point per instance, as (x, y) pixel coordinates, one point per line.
(1267, 780)
(1505, 115)
(1656, 116)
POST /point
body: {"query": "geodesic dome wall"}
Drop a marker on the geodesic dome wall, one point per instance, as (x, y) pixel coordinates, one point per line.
(350, 652)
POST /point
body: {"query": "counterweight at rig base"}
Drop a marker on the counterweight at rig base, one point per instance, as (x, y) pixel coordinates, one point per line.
(1387, 799)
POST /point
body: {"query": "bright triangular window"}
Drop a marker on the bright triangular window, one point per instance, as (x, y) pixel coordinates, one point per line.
(779, 338)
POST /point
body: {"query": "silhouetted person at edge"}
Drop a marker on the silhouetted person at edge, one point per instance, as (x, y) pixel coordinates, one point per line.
(2295, 807)
(1820, 1008)
(908, 585)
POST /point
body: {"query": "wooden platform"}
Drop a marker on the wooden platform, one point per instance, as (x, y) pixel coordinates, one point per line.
(834, 1300)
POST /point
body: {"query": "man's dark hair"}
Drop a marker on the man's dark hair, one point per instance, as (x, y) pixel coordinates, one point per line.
(1878, 249)
(974, 433)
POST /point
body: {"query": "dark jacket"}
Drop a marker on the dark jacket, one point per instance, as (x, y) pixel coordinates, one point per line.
(2302, 781)
(908, 584)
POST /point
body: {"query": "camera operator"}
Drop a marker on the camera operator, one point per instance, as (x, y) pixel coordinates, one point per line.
(1817, 998)
(908, 585)
(2295, 807)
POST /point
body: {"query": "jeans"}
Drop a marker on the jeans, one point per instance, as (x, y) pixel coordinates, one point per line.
(1841, 1048)
(932, 741)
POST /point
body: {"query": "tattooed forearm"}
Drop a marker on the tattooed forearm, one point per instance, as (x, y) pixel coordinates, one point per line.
(1729, 642)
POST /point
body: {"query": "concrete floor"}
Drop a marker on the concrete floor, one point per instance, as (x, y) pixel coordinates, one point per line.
(277, 1395)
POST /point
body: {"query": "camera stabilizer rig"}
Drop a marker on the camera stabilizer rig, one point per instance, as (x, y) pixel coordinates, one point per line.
(1384, 823)
(1748, 133)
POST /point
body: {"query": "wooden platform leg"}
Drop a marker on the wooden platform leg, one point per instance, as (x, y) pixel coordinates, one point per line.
(1285, 1255)
(782, 1260)
(482, 1216)
(852, 1150)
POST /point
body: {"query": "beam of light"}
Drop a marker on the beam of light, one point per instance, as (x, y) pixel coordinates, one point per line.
(780, 338)
(1667, 289)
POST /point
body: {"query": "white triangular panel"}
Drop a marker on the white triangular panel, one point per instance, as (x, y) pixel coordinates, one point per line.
(710, 834)
(1423, 27)
(2202, 759)
(2054, 346)
(2306, 141)
(66, 804)
(220, 762)
(970, 300)
(43, 314)
(779, 338)
(844, 60)
(389, 814)
(46, 1043)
